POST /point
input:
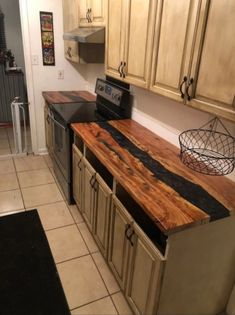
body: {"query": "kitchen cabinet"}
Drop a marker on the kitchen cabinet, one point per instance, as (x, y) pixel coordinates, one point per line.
(130, 253)
(92, 12)
(213, 71)
(89, 193)
(120, 222)
(70, 22)
(143, 288)
(48, 129)
(129, 40)
(101, 214)
(191, 62)
(77, 176)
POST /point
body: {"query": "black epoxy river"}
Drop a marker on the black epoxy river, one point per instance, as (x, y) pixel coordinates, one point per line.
(190, 191)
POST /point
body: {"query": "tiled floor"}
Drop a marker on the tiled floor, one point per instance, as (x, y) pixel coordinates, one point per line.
(28, 183)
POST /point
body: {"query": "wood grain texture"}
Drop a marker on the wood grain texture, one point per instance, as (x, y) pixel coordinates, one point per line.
(163, 204)
(55, 97)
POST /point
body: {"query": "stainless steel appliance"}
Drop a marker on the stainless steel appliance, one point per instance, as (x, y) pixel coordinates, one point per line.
(113, 102)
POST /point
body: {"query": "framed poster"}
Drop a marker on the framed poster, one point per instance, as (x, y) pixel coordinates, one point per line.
(47, 37)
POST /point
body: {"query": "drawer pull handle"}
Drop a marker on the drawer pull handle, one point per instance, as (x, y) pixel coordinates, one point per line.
(181, 86)
(119, 69)
(122, 70)
(187, 89)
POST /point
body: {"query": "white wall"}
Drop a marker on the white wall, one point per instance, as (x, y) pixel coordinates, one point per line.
(10, 9)
(44, 78)
(169, 118)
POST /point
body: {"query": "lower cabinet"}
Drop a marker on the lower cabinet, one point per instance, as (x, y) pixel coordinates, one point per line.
(144, 274)
(101, 214)
(120, 223)
(48, 129)
(89, 193)
(77, 176)
(135, 261)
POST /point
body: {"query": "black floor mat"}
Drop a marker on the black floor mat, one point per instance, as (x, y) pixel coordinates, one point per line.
(29, 282)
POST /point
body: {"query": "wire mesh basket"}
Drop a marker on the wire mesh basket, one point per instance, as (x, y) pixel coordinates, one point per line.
(207, 150)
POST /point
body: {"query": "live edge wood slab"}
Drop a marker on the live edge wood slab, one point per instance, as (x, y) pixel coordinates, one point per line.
(57, 97)
(150, 170)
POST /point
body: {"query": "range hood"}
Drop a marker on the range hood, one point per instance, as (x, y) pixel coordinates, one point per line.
(94, 35)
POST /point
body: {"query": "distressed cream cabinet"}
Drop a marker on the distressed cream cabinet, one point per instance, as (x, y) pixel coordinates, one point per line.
(193, 45)
(48, 129)
(129, 40)
(70, 22)
(135, 261)
(92, 12)
(93, 197)
(77, 176)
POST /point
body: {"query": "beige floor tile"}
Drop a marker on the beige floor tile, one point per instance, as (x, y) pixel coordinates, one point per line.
(40, 195)
(66, 243)
(6, 166)
(88, 238)
(54, 215)
(35, 178)
(10, 200)
(81, 281)
(101, 307)
(76, 213)
(4, 144)
(8, 182)
(106, 274)
(48, 160)
(29, 163)
(121, 304)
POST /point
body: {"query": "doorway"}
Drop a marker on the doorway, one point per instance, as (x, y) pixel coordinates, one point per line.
(15, 135)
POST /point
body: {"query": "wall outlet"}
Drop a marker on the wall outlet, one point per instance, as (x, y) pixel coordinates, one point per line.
(60, 74)
(35, 60)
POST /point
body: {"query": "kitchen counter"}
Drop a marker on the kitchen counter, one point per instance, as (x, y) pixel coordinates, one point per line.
(56, 97)
(149, 169)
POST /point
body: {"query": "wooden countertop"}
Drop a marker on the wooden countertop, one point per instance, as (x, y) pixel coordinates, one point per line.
(57, 97)
(149, 168)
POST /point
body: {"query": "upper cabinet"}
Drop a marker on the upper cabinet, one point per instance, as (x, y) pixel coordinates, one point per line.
(213, 70)
(70, 21)
(192, 60)
(92, 12)
(129, 37)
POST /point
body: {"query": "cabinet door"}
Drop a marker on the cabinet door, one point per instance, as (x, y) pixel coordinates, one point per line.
(176, 22)
(144, 276)
(102, 214)
(214, 68)
(89, 193)
(93, 9)
(138, 41)
(70, 22)
(48, 130)
(114, 37)
(71, 50)
(77, 176)
(118, 243)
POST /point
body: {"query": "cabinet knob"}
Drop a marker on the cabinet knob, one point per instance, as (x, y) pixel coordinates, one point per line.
(181, 86)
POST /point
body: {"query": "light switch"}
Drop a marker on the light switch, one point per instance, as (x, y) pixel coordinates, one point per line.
(35, 60)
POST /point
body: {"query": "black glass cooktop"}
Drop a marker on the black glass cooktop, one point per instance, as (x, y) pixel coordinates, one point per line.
(76, 112)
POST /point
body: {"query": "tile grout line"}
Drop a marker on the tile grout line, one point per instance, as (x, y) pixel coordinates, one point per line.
(19, 184)
(104, 297)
